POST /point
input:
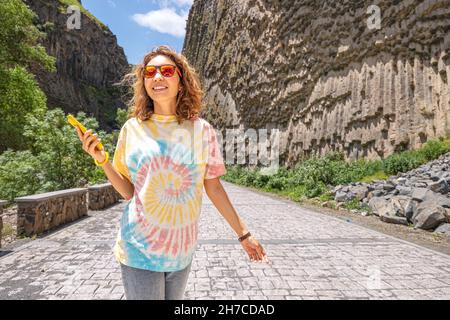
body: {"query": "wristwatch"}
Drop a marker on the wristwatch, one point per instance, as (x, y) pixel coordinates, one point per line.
(245, 236)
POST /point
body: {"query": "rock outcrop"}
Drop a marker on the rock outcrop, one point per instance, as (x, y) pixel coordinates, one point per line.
(88, 60)
(322, 74)
(419, 197)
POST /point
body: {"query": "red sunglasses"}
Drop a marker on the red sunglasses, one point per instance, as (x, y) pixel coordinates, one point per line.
(167, 70)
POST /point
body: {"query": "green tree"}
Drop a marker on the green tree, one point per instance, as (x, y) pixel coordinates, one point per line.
(59, 150)
(55, 161)
(19, 52)
(122, 117)
(19, 37)
(19, 96)
(19, 174)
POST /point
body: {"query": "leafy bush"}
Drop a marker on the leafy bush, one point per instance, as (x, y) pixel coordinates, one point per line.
(19, 38)
(20, 174)
(402, 162)
(315, 189)
(279, 183)
(19, 95)
(434, 148)
(261, 180)
(352, 204)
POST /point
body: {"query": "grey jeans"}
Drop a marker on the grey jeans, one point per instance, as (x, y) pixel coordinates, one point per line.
(142, 284)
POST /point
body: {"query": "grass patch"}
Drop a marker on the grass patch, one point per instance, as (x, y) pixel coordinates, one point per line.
(379, 175)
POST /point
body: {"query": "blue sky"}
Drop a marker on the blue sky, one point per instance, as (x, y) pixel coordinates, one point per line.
(141, 25)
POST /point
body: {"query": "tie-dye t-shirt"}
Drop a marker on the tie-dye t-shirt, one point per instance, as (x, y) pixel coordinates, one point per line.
(167, 163)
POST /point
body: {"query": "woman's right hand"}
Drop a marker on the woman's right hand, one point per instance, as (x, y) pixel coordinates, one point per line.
(89, 142)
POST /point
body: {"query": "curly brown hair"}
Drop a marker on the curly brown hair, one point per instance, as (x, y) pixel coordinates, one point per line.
(189, 100)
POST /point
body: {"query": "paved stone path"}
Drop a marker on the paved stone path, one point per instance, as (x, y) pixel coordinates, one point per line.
(313, 256)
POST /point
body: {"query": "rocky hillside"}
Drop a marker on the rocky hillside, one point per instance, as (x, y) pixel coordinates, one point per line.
(89, 61)
(316, 71)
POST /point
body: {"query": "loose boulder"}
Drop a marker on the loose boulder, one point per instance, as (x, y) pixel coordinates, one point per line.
(429, 215)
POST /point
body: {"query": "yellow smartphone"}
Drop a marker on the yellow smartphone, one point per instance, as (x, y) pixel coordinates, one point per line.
(74, 122)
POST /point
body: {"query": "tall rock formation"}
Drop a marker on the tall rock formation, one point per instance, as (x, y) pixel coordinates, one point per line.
(324, 73)
(88, 60)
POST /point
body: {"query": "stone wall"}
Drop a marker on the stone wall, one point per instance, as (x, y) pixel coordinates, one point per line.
(46, 211)
(102, 196)
(318, 73)
(42, 212)
(2, 203)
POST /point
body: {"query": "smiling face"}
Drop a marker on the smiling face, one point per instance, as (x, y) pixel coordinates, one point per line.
(170, 85)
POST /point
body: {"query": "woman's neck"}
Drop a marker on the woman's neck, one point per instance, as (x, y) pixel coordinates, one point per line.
(165, 108)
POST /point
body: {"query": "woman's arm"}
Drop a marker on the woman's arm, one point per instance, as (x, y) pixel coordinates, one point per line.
(119, 182)
(219, 198)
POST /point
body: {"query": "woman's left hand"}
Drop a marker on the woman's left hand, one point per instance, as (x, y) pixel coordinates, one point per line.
(254, 250)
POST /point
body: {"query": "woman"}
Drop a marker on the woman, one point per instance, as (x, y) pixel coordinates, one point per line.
(164, 157)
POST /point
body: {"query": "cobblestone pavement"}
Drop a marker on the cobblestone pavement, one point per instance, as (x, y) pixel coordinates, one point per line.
(313, 256)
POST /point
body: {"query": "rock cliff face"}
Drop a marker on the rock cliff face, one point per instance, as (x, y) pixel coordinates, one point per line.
(323, 73)
(88, 60)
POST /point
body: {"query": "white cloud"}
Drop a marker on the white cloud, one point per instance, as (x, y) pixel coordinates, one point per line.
(112, 3)
(165, 20)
